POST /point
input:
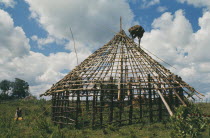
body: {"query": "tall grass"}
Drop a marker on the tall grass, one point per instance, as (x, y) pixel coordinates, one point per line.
(37, 123)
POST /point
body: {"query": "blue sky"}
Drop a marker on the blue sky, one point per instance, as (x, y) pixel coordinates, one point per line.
(147, 15)
(21, 16)
(38, 36)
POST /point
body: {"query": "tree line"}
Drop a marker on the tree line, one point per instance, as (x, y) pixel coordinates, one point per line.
(14, 90)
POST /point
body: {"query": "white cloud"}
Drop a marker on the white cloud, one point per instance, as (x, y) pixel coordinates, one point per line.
(204, 67)
(17, 61)
(149, 3)
(38, 69)
(197, 3)
(200, 40)
(88, 20)
(8, 3)
(13, 42)
(170, 33)
(162, 9)
(42, 41)
(39, 89)
(93, 22)
(207, 96)
(172, 39)
(50, 76)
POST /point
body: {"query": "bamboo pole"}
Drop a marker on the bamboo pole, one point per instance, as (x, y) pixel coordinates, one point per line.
(101, 105)
(77, 109)
(112, 103)
(130, 103)
(160, 105)
(93, 110)
(165, 103)
(150, 99)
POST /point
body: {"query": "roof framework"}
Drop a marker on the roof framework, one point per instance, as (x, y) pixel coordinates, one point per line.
(124, 71)
(122, 59)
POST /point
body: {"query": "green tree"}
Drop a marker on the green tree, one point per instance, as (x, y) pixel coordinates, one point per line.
(20, 88)
(5, 86)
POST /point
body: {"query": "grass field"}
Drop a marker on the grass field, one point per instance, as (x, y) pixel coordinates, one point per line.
(38, 124)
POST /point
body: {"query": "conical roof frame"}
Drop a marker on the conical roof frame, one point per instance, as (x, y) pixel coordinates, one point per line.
(122, 61)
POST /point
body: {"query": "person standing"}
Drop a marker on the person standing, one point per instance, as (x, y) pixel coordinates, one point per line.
(18, 114)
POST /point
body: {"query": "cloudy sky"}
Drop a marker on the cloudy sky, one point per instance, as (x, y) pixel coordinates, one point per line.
(36, 44)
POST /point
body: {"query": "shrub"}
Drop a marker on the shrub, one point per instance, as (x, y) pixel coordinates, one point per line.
(188, 121)
(43, 127)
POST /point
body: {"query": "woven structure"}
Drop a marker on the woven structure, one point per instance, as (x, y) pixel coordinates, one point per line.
(119, 83)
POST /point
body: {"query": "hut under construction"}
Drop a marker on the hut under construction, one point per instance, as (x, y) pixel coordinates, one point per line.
(118, 84)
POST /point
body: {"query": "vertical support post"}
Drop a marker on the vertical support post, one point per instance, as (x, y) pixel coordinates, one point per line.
(64, 107)
(93, 109)
(87, 101)
(112, 101)
(56, 108)
(53, 106)
(176, 101)
(160, 104)
(67, 106)
(77, 109)
(120, 110)
(130, 101)
(101, 105)
(181, 94)
(79, 101)
(150, 99)
(121, 92)
(96, 101)
(140, 98)
(171, 100)
(154, 98)
(59, 107)
(62, 110)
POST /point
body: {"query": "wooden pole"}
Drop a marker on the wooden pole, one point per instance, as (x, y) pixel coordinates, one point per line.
(163, 99)
(93, 110)
(121, 92)
(62, 110)
(120, 23)
(179, 98)
(77, 109)
(150, 99)
(112, 102)
(165, 103)
(130, 102)
(87, 101)
(101, 104)
(140, 98)
(68, 105)
(171, 100)
(160, 105)
(53, 106)
(56, 107)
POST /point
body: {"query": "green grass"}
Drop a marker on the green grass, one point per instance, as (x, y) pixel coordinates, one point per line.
(205, 107)
(38, 124)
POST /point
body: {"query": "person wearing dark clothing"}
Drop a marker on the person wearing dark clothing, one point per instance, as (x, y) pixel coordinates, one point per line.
(136, 31)
(18, 114)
